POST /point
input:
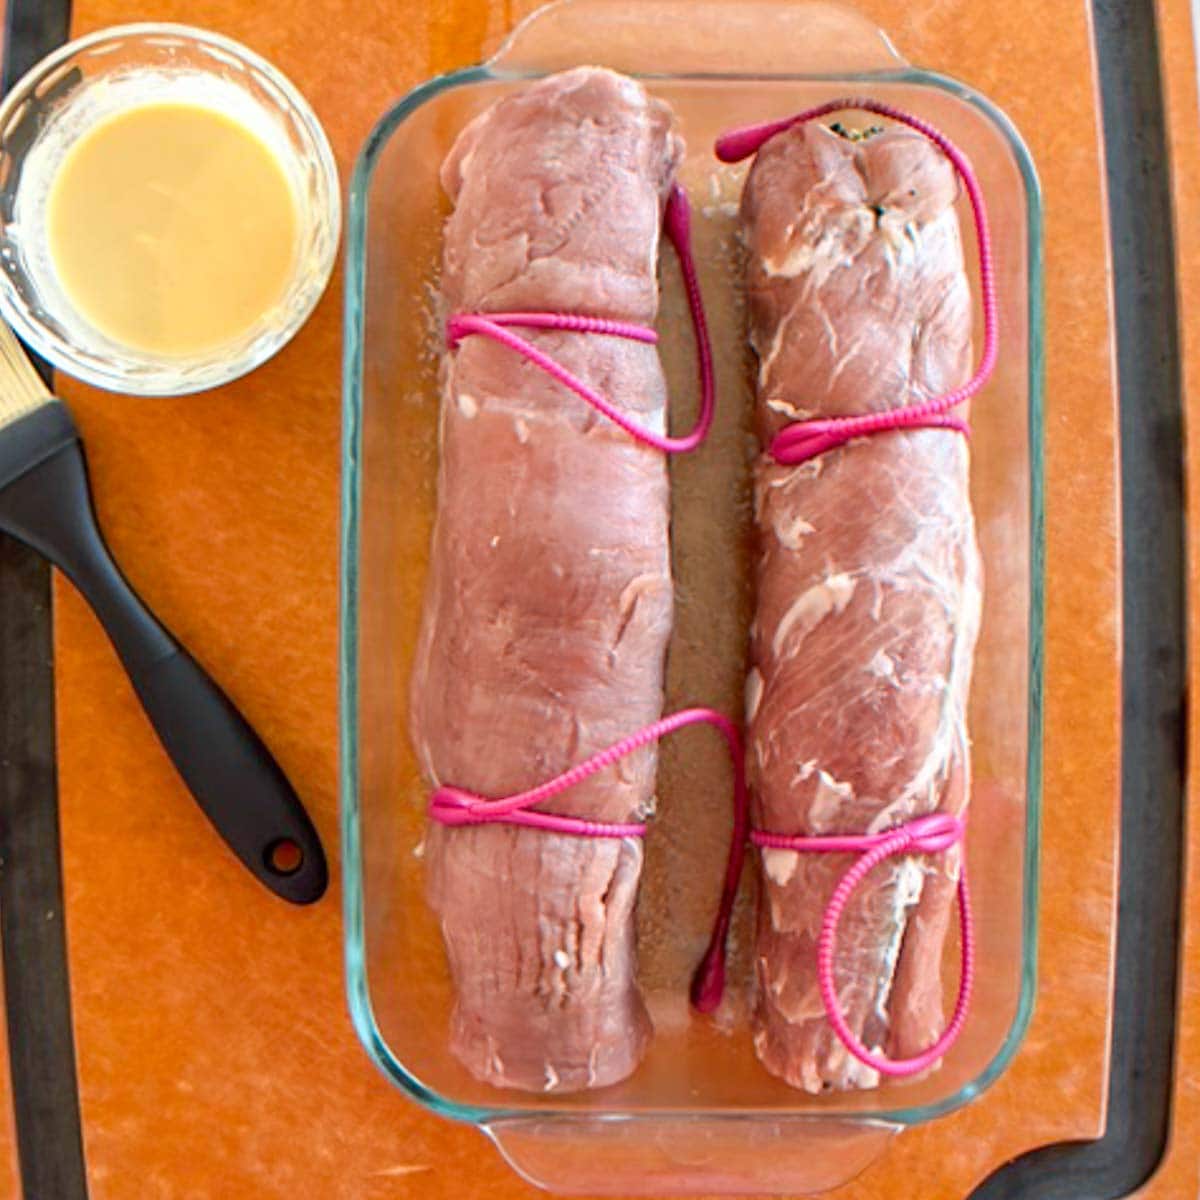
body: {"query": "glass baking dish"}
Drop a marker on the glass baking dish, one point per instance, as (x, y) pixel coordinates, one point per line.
(700, 1114)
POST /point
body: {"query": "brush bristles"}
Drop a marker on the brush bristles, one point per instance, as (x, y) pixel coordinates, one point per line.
(21, 387)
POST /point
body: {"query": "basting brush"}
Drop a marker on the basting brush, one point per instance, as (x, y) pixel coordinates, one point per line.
(45, 502)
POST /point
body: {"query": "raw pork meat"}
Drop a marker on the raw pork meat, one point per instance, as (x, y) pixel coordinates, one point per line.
(549, 601)
(868, 582)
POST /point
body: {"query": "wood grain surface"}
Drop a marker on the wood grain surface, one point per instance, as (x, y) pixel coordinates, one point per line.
(216, 1058)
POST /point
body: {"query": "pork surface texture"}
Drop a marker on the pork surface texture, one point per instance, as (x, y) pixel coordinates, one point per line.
(868, 584)
(549, 600)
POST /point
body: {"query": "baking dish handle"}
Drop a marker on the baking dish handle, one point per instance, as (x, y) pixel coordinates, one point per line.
(708, 37)
(685, 1155)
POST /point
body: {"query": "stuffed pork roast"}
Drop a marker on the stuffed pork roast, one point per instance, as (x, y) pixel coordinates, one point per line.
(868, 582)
(549, 600)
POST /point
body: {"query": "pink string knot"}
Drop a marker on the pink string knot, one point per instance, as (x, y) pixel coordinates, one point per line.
(933, 834)
(677, 225)
(803, 440)
(798, 442)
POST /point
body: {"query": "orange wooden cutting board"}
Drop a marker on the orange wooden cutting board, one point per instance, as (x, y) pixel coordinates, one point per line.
(216, 1058)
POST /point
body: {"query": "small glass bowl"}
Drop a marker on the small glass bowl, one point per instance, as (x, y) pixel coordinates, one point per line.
(107, 72)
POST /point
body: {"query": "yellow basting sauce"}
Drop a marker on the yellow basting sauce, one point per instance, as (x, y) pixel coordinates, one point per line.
(172, 227)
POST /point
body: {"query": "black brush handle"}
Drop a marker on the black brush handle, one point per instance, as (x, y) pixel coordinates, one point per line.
(222, 760)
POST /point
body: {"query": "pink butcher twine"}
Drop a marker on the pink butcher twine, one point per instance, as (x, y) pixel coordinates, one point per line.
(677, 221)
(931, 834)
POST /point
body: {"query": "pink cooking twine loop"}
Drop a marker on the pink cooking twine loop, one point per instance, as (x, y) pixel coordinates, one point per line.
(677, 223)
(933, 834)
(455, 806)
(802, 440)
